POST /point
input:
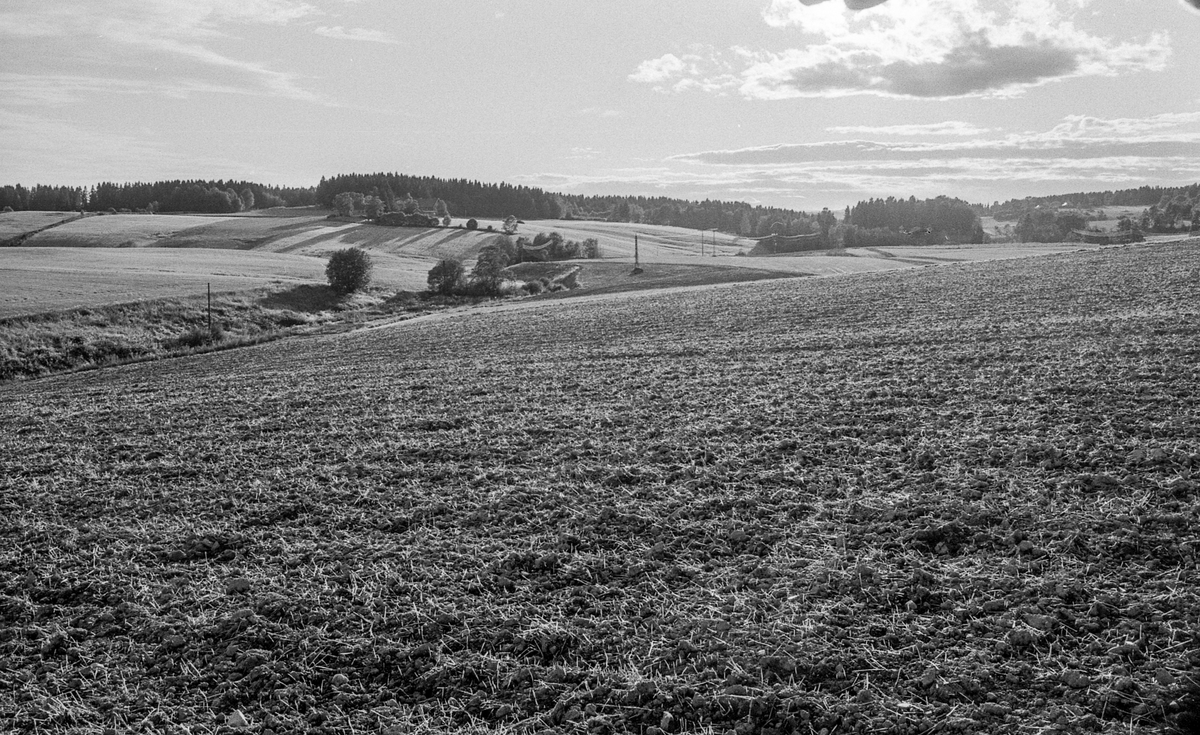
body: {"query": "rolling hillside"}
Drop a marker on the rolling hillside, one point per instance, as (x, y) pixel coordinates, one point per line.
(308, 231)
(106, 259)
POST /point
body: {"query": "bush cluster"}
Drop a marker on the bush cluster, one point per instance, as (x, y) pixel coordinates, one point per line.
(198, 337)
(486, 279)
(552, 246)
(446, 277)
(349, 270)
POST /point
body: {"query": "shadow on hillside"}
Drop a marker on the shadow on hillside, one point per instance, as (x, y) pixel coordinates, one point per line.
(398, 237)
(305, 298)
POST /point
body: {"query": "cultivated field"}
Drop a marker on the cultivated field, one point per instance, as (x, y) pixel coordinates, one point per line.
(954, 499)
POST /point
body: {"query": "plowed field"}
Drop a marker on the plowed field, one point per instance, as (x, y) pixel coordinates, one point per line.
(958, 499)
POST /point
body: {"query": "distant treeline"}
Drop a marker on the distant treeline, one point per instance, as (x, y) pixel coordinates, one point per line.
(1143, 196)
(938, 219)
(469, 198)
(216, 197)
(874, 221)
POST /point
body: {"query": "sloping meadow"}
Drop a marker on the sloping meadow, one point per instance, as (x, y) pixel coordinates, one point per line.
(955, 499)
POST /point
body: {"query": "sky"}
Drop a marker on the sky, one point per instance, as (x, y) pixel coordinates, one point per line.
(792, 103)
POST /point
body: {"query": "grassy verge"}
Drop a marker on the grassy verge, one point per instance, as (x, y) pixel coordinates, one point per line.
(87, 338)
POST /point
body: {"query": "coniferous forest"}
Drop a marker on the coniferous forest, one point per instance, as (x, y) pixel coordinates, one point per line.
(206, 197)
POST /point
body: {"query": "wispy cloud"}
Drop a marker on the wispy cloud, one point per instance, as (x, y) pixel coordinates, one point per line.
(62, 89)
(704, 70)
(1079, 152)
(136, 40)
(583, 153)
(949, 127)
(600, 112)
(925, 49)
(67, 152)
(355, 34)
(664, 68)
(1075, 138)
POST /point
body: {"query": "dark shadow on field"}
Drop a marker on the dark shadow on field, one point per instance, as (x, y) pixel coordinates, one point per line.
(304, 298)
(234, 236)
(437, 241)
(366, 234)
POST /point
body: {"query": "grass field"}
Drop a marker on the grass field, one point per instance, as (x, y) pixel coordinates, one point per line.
(40, 279)
(122, 230)
(13, 224)
(1104, 218)
(929, 500)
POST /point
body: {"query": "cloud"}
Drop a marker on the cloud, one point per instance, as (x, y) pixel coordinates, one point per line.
(949, 127)
(1087, 126)
(919, 49)
(1030, 147)
(582, 153)
(63, 89)
(1080, 151)
(600, 112)
(976, 66)
(706, 72)
(845, 174)
(142, 42)
(355, 34)
(968, 160)
(71, 152)
(655, 71)
(851, 4)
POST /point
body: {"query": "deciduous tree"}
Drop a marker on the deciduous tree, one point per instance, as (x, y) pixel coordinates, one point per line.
(373, 206)
(344, 203)
(445, 277)
(349, 270)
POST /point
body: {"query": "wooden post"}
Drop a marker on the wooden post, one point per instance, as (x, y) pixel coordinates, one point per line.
(635, 250)
(210, 310)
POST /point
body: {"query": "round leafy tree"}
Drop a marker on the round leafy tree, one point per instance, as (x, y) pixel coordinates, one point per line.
(445, 277)
(348, 270)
